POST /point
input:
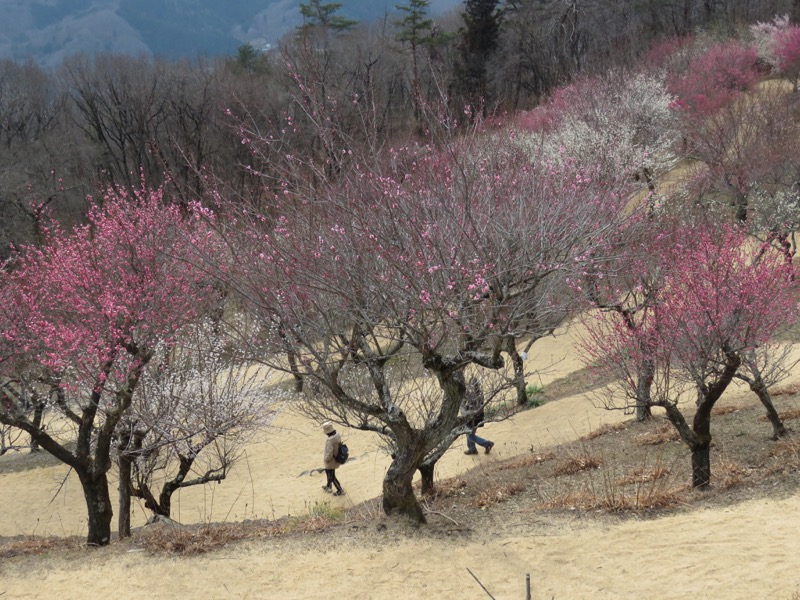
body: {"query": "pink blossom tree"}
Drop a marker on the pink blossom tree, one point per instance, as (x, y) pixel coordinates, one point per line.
(787, 51)
(623, 289)
(723, 298)
(714, 78)
(92, 306)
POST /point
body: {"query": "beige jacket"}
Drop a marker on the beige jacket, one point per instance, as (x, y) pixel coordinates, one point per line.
(331, 448)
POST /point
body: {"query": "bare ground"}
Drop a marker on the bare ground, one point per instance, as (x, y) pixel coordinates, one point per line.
(583, 517)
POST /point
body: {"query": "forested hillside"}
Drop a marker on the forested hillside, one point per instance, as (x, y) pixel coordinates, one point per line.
(387, 220)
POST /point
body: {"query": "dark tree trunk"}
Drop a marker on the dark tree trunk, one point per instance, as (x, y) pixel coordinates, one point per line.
(700, 444)
(128, 445)
(698, 436)
(298, 377)
(643, 387)
(701, 466)
(426, 473)
(124, 520)
(38, 415)
(740, 207)
(164, 507)
(398, 493)
(760, 389)
(98, 503)
(701, 426)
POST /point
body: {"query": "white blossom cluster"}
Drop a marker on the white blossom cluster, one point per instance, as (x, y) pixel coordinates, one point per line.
(623, 124)
(764, 36)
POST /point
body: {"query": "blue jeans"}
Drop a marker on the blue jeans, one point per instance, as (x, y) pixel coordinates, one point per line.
(472, 439)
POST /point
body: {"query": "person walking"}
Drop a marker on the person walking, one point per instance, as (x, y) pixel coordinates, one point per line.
(473, 405)
(331, 449)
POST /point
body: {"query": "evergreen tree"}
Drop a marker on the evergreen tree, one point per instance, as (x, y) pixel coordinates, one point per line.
(479, 39)
(317, 14)
(415, 30)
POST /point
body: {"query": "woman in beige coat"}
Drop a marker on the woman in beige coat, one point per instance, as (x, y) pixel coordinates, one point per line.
(331, 448)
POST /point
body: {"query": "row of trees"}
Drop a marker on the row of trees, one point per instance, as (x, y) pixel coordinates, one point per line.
(378, 278)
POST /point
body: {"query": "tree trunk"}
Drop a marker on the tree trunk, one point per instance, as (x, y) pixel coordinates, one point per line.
(129, 444)
(124, 520)
(519, 371)
(701, 466)
(164, 507)
(98, 503)
(643, 386)
(701, 425)
(740, 207)
(701, 443)
(398, 493)
(426, 472)
(760, 389)
(38, 416)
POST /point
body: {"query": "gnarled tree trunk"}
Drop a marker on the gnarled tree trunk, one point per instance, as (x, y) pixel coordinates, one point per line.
(398, 493)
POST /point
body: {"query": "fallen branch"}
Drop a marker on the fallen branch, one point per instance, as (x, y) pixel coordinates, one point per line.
(480, 584)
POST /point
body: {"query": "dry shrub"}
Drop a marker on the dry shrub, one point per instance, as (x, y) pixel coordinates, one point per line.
(37, 545)
(786, 448)
(718, 411)
(193, 540)
(786, 453)
(652, 498)
(526, 460)
(785, 390)
(644, 475)
(790, 414)
(497, 493)
(449, 488)
(366, 511)
(786, 415)
(665, 432)
(728, 474)
(313, 524)
(576, 464)
(603, 429)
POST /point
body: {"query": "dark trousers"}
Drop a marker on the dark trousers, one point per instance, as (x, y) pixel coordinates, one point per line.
(331, 473)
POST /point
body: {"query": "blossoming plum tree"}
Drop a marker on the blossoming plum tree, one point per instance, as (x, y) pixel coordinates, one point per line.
(424, 268)
(89, 308)
(723, 298)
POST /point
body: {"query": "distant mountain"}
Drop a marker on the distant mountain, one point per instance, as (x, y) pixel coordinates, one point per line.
(49, 30)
